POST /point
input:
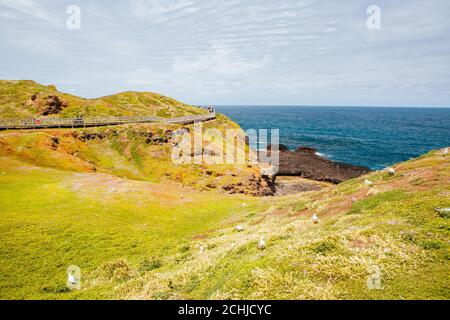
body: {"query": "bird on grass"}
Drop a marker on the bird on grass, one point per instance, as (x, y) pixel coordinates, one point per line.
(368, 182)
(391, 171)
(445, 151)
(261, 244)
(315, 218)
(239, 228)
(71, 278)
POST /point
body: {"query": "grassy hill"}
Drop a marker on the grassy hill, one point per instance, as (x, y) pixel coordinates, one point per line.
(26, 98)
(140, 151)
(111, 201)
(138, 239)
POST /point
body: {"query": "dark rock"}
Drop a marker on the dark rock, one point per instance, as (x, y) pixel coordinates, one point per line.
(54, 142)
(281, 147)
(53, 105)
(306, 149)
(252, 185)
(168, 134)
(84, 136)
(268, 184)
(160, 140)
(305, 163)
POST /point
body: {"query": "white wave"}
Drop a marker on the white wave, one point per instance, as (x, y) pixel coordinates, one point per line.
(323, 155)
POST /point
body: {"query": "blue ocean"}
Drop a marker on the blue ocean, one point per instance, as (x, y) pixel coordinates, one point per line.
(374, 137)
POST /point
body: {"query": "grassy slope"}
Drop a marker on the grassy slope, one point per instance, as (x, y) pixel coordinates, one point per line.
(139, 236)
(15, 102)
(51, 219)
(124, 154)
(135, 239)
(123, 151)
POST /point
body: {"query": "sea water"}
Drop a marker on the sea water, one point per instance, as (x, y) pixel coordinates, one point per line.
(374, 137)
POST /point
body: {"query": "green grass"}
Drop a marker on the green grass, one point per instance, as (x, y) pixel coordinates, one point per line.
(397, 231)
(123, 151)
(46, 226)
(333, 259)
(134, 239)
(15, 102)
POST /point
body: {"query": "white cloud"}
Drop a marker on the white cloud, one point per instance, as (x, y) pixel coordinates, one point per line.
(219, 60)
(160, 10)
(19, 8)
(253, 51)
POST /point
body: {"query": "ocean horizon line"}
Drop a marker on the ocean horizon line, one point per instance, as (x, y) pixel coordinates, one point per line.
(323, 106)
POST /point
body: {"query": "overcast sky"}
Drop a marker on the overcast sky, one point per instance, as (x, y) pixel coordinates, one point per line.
(303, 52)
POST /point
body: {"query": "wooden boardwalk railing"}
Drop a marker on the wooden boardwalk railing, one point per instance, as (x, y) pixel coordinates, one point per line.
(35, 123)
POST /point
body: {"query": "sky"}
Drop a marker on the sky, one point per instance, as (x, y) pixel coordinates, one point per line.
(252, 52)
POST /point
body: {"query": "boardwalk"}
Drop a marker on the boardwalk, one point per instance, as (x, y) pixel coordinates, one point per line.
(6, 124)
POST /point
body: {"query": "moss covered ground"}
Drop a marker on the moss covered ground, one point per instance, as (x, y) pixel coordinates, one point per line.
(141, 240)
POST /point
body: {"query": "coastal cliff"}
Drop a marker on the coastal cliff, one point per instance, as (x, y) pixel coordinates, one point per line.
(135, 239)
(110, 201)
(134, 151)
(142, 151)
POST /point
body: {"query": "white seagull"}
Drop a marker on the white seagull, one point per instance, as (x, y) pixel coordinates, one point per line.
(239, 228)
(445, 151)
(261, 244)
(71, 278)
(368, 182)
(391, 171)
(315, 218)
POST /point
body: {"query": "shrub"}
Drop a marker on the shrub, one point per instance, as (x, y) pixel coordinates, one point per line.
(324, 246)
(117, 270)
(55, 290)
(432, 244)
(149, 264)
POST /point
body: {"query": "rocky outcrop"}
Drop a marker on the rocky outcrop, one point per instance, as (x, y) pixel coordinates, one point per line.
(253, 185)
(289, 185)
(148, 137)
(53, 105)
(239, 180)
(304, 162)
(47, 104)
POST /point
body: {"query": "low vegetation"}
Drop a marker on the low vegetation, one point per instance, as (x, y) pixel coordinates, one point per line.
(141, 240)
(141, 151)
(110, 201)
(26, 98)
